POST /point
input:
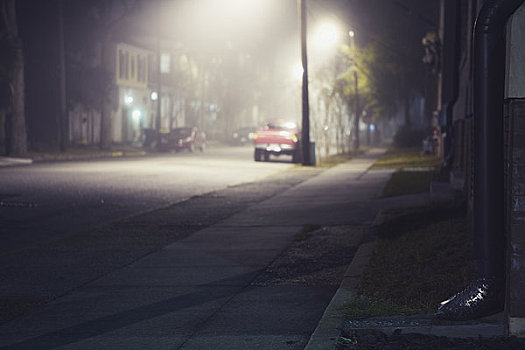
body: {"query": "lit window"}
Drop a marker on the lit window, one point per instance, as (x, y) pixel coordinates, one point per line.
(122, 65)
(141, 74)
(165, 63)
(132, 67)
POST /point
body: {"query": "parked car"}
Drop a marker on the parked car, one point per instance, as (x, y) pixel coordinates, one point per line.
(277, 137)
(244, 135)
(178, 139)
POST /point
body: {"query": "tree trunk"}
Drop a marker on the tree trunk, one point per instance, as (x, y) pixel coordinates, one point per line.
(17, 142)
(63, 120)
(105, 99)
(16, 123)
(105, 125)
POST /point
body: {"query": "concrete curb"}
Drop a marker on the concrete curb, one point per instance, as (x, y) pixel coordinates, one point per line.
(8, 161)
(328, 330)
(81, 157)
(329, 327)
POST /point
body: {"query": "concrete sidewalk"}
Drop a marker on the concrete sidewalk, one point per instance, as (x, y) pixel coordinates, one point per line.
(332, 326)
(198, 293)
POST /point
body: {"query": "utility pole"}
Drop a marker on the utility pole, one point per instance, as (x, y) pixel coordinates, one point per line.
(158, 119)
(305, 128)
(203, 91)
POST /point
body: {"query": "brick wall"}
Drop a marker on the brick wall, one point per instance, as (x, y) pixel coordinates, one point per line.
(515, 213)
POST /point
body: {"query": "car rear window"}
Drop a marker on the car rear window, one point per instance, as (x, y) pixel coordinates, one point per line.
(282, 125)
(182, 131)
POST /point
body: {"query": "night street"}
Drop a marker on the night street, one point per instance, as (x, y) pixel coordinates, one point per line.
(187, 275)
(262, 174)
(45, 200)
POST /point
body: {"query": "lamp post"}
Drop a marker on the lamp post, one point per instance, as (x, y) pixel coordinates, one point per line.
(351, 34)
(357, 112)
(305, 128)
(158, 119)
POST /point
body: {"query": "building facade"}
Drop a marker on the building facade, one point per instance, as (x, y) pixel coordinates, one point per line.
(461, 115)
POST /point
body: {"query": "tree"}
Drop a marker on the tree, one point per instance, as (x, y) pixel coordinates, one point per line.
(63, 121)
(13, 70)
(92, 55)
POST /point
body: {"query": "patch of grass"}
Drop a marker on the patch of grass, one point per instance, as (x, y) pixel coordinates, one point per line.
(422, 257)
(409, 182)
(402, 158)
(305, 231)
(406, 181)
(335, 159)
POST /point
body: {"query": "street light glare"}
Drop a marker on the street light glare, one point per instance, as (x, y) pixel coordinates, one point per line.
(212, 21)
(327, 34)
(298, 71)
(136, 115)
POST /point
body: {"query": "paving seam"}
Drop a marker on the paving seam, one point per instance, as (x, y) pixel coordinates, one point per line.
(341, 299)
(329, 327)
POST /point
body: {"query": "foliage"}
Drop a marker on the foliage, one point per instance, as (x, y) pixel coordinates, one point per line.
(334, 159)
(407, 181)
(383, 79)
(402, 158)
(334, 104)
(422, 258)
(380, 76)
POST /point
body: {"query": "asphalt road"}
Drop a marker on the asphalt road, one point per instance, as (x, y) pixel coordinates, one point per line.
(44, 200)
(125, 254)
(66, 224)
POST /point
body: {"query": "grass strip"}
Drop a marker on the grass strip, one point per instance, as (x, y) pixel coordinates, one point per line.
(409, 182)
(417, 263)
(403, 158)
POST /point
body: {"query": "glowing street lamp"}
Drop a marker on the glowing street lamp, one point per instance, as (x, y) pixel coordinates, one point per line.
(128, 100)
(327, 34)
(298, 71)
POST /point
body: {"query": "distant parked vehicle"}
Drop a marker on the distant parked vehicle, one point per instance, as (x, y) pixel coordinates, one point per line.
(244, 135)
(277, 137)
(182, 138)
